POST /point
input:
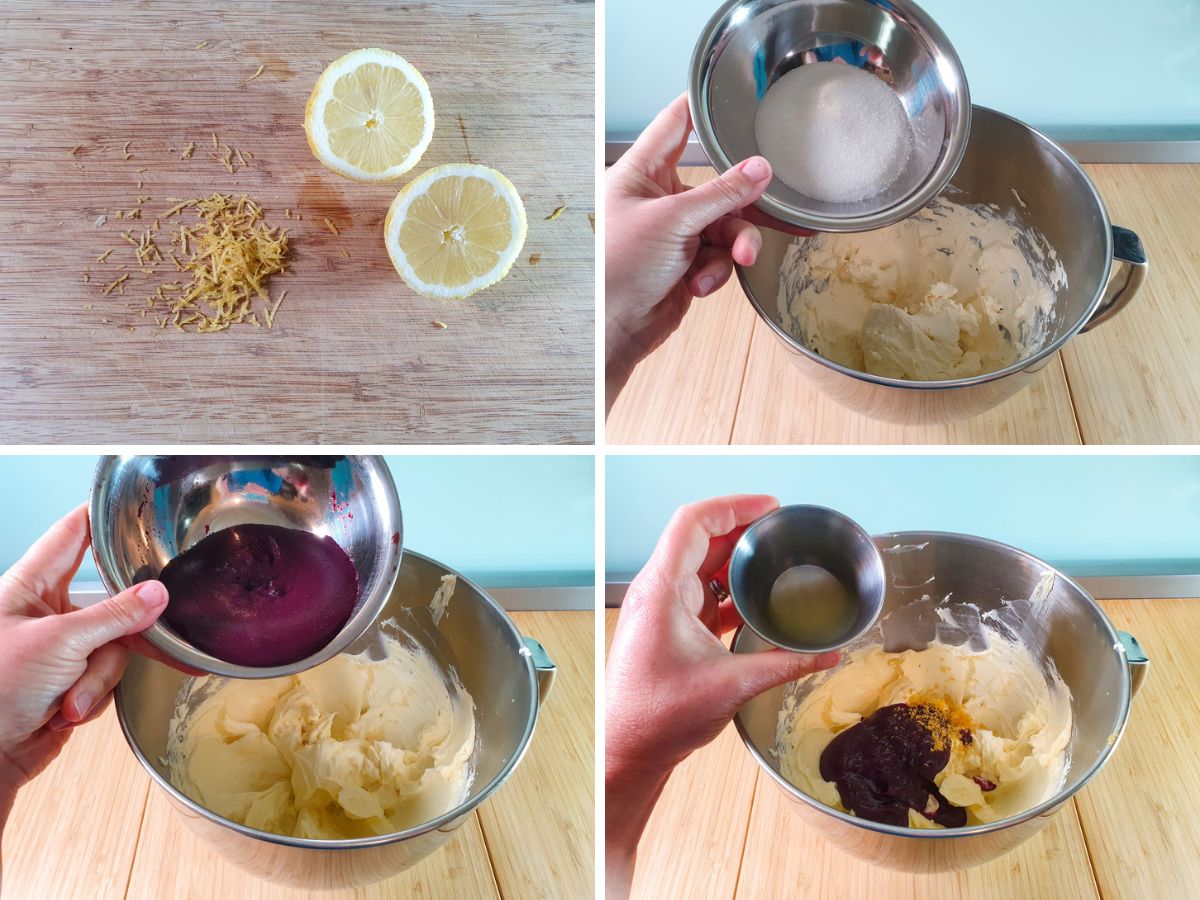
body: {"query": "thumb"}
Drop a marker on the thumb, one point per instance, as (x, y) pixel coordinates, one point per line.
(734, 190)
(127, 613)
(758, 672)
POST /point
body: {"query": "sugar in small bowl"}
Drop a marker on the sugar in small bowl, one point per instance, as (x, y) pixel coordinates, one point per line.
(862, 108)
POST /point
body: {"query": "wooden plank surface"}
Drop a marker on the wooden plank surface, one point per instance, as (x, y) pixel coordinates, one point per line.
(76, 825)
(354, 355)
(550, 801)
(785, 858)
(1129, 833)
(95, 827)
(1135, 379)
(780, 406)
(1139, 813)
(172, 862)
(723, 377)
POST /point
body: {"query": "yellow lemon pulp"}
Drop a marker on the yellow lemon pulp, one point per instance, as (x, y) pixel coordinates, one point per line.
(370, 116)
(455, 230)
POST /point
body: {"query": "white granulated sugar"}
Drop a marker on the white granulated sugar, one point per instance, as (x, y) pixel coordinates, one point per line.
(833, 132)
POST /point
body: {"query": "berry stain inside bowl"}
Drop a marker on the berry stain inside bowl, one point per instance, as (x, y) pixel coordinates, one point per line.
(260, 595)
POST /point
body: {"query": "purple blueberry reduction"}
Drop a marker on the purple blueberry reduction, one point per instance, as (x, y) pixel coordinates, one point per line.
(884, 766)
(260, 595)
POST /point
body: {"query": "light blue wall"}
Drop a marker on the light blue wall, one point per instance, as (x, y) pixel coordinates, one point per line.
(505, 521)
(1090, 515)
(1068, 66)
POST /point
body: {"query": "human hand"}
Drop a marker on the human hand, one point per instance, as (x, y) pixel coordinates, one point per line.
(666, 243)
(671, 685)
(60, 664)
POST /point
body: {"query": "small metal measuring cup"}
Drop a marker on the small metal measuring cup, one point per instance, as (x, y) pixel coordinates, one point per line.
(783, 540)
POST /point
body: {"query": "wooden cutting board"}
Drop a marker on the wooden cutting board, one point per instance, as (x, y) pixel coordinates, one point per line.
(354, 355)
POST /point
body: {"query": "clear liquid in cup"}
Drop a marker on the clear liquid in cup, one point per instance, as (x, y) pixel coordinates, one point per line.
(810, 606)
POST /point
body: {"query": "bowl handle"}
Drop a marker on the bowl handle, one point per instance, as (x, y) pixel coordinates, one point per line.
(543, 666)
(1136, 658)
(1127, 276)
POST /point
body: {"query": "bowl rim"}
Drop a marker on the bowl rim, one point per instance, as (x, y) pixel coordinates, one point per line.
(1040, 357)
(1046, 807)
(715, 32)
(170, 643)
(434, 824)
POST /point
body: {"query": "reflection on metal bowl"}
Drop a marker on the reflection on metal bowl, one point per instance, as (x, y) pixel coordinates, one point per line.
(1100, 666)
(1105, 266)
(508, 676)
(145, 510)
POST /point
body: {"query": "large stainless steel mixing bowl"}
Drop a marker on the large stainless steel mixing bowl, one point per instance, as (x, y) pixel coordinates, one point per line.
(507, 676)
(749, 44)
(1101, 666)
(146, 510)
(1021, 171)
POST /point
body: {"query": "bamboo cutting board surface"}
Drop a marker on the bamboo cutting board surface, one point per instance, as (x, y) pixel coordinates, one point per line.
(723, 378)
(354, 355)
(722, 829)
(93, 826)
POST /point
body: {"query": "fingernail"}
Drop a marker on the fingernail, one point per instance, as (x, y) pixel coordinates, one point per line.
(58, 723)
(152, 594)
(705, 285)
(832, 658)
(83, 705)
(756, 169)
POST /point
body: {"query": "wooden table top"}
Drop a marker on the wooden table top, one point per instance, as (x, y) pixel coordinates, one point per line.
(1133, 380)
(722, 829)
(354, 356)
(95, 827)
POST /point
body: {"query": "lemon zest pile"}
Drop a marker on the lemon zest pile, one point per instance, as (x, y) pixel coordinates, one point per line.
(230, 255)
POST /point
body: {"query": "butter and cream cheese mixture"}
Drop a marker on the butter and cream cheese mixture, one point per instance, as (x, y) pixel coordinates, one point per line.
(940, 737)
(354, 747)
(951, 292)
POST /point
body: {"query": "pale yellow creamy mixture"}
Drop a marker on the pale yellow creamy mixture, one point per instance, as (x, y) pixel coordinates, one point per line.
(1019, 720)
(950, 292)
(354, 747)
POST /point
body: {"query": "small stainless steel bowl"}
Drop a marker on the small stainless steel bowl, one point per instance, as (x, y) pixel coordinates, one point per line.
(750, 44)
(146, 510)
(805, 536)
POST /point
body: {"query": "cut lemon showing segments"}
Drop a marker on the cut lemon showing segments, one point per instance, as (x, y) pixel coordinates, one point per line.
(370, 116)
(455, 230)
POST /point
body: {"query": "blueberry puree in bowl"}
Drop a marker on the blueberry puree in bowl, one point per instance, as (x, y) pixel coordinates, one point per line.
(260, 595)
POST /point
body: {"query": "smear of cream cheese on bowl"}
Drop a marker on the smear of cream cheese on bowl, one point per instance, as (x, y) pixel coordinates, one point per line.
(951, 292)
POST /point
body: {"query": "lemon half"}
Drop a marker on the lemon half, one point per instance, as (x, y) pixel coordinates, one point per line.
(370, 116)
(455, 230)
